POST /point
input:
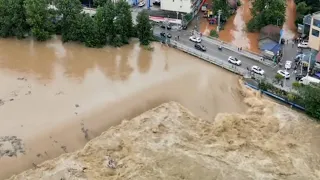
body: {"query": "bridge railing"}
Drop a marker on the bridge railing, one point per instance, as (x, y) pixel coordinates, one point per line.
(225, 64)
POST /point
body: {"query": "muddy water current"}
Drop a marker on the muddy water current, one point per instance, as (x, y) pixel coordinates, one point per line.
(55, 97)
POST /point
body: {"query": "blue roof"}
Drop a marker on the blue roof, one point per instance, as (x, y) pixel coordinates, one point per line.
(271, 46)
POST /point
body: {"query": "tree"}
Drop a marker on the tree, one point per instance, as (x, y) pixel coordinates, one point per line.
(69, 10)
(13, 19)
(311, 97)
(124, 24)
(266, 12)
(144, 28)
(39, 19)
(87, 30)
(302, 9)
(222, 5)
(99, 3)
(314, 5)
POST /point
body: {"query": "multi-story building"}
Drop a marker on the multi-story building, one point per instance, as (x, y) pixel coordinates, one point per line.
(314, 36)
(314, 39)
(181, 6)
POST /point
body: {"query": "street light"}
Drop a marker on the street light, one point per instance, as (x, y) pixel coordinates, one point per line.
(309, 63)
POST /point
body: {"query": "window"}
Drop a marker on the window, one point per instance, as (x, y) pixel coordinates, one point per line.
(316, 22)
(315, 32)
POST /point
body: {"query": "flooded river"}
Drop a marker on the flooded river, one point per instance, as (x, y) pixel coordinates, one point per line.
(55, 97)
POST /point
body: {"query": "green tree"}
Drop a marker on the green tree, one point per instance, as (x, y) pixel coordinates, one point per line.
(302, 9)
(311, 98)
(124, 24)
(97, 3)
(87, 30)
(13, 19)
(266, 12)
(39, 19)
(144, 28)
(69, 11)
(314, 5)
(222, 5)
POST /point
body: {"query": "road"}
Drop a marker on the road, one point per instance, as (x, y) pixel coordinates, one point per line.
(212, 50)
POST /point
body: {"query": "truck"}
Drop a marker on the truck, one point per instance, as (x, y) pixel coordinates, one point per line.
(308, 79)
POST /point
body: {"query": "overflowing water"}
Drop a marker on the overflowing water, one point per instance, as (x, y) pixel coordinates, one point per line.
(55, 97)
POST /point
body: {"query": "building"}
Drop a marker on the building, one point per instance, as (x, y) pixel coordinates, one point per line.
(269, 38)
(314, 39)
(181, 6)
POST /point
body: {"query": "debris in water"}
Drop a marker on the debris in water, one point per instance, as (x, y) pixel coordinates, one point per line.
(77, 105)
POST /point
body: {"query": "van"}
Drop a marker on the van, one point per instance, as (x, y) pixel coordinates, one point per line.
(308, 79)
(268, 54)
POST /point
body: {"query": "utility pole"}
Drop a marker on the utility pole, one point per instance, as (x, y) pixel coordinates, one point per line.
(309, 63)
(166, 30)
(219, 16)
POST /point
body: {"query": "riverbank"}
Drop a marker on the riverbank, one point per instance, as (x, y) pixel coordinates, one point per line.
(269, 141)
(58, 96)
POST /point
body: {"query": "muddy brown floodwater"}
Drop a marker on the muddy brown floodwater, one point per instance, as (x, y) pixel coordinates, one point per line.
(55, 97)
(234, 31)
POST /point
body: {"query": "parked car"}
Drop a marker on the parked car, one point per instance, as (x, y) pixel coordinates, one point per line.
(288, 65)
(157, 2)
(164, 26)
(257, 70)
(234, 60)
(200, 47)
(299, 76)
(195, 39)
(303, 45)
(163, 34)
(284, 73)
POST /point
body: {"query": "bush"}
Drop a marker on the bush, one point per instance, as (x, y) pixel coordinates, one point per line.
(278, 77)
(238, 3)
(213, 33)
(296, 85)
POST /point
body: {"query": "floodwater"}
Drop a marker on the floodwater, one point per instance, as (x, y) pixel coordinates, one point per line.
(55, 97)
(234, 31)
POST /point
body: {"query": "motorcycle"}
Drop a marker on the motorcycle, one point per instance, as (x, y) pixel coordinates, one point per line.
(220, 48)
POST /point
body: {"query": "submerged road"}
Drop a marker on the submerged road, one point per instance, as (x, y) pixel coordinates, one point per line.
(212, 50)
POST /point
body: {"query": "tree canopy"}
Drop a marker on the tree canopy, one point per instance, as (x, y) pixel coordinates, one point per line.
(266, 12)
(144, 27)
(311, 98)
(112, 24)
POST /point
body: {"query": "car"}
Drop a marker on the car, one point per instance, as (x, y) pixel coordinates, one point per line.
(141, 4)
(164, 26)
(163, 34)
(234, 60)
(303, 45)
(157, 2)
(195, 39)
(299, 76)
(200, 47)
(257, 70)
(299, 57)
(284, 73)
(288, 65)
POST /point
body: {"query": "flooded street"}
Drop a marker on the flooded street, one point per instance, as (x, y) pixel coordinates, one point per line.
(234, 31)
(49, 89)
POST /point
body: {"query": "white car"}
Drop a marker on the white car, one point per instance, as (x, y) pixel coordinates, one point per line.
(195, 39)
(283, 73)
(303, 45)
(288, 65)
(234, 60)
(257, 69)
(141, 3)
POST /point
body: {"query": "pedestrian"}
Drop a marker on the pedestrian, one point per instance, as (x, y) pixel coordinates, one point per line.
(292, 45)
(287, 41)
(178, 37)
(240, 48)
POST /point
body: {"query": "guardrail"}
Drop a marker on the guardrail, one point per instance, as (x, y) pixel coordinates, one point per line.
(222, 63)
(243, 52)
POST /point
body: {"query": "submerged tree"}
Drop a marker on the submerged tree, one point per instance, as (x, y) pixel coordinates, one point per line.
(266, 12)
(69, 11)
(39, 18)
(13, 19)
(143, 28)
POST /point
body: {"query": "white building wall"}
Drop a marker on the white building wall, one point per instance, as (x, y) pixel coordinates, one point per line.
(177, 5)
